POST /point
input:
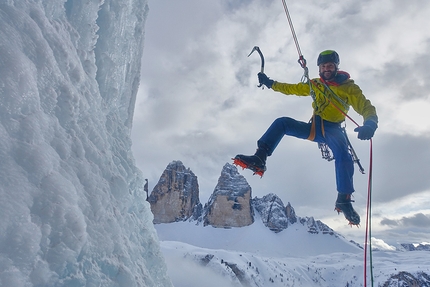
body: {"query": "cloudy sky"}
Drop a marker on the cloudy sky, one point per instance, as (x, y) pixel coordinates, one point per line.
(199, 102)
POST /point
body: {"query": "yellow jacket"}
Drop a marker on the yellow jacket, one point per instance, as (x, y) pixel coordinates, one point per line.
(343, 95)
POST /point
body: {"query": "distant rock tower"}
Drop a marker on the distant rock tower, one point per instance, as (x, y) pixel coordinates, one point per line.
(230, 203)
(273, 212)
(176, 195)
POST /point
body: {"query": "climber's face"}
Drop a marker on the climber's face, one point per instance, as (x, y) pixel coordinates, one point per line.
(328, 71)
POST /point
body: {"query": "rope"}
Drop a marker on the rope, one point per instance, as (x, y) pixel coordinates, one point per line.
(302, 62)
(292, 29)
(331, 102)
(369, 221)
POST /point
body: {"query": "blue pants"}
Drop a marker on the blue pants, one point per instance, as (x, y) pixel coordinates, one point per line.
(333, 137)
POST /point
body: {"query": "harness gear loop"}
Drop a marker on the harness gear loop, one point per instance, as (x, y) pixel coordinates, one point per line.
(325, 150)
(312, 133)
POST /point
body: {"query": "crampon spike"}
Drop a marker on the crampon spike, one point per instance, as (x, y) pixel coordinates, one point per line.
(240, 163)
(243, 165)
(349, 222)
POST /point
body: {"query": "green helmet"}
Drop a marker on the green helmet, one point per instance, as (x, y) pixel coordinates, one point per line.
(328, 56)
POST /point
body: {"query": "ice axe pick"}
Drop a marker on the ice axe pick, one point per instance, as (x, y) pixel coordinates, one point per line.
(256, 48)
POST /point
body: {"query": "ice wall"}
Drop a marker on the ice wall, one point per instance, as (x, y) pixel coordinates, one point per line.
(72, 206)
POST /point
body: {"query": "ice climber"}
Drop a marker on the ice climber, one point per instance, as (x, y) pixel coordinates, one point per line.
(334, 89)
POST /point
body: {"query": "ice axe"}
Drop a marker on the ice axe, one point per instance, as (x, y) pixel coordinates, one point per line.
(256, 48)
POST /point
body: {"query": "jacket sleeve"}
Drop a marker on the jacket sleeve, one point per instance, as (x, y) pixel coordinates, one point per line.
(360, 104)
(300, 89)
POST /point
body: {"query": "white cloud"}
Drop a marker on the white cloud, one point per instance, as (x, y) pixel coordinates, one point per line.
(199, 103)
(381, 245)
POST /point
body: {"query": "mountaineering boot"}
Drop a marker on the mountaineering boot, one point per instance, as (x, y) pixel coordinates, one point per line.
(343, 204)
(256, 162)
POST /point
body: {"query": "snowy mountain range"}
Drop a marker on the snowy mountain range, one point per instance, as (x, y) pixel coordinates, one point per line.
(279, 248)
(256, 256)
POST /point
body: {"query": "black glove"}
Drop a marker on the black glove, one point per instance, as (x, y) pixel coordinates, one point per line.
(366, 131)
(264, 80)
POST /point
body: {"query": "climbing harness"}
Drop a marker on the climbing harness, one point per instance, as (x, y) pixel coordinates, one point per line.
(256, 48)
(325, 150)
(326, 153)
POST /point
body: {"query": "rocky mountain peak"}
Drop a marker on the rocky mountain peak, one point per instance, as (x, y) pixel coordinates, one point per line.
(415, 247)
(273, 212)
(176, 198)
(230, 203)
(176, 195)
(291, 214)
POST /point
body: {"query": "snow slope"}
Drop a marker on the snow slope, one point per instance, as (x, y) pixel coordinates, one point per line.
(191, 266)
(295, 241)
(72, 209)
(255, 256)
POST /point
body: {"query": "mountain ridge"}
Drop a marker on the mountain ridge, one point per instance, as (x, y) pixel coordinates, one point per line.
(270, 210)
(277, 248)
(175, 198)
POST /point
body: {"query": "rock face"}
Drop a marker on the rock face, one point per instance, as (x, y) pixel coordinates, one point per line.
(273, 212)
(291, 214)
(176, 195)
(408, 279)
(176, 198)
(230, 203)
(412, 247)
(278, 217)
(316, 226)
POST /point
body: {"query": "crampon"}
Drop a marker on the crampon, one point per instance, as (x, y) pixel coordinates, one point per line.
(353, 218)
(343, 204)
(239, 162)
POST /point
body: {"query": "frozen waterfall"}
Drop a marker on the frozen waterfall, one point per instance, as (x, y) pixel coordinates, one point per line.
(72, 207)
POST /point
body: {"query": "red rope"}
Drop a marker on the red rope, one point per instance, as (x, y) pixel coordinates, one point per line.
(369, 220)
(369, 199)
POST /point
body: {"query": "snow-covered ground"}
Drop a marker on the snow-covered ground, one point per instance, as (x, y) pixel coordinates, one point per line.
(188, 267)
(294, 241)
(256, 256)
